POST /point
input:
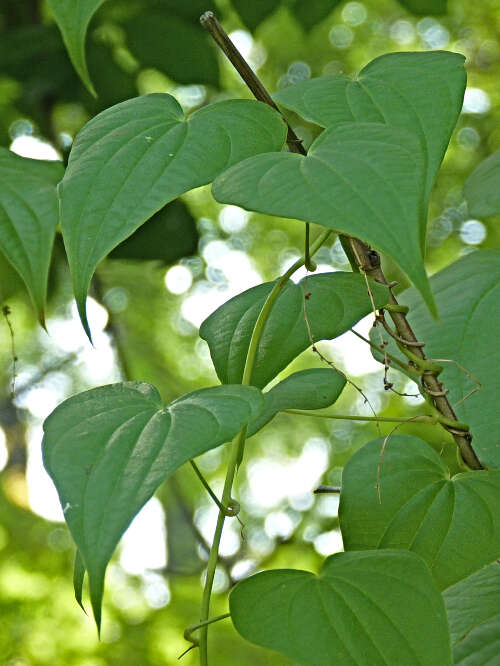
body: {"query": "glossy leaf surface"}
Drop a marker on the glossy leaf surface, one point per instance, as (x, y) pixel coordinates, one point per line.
(350, 614)
(362, 179)
(28, 219)
(73, 18)
(132, 159)
(336, 302)
(307, 389)
(108, 449)
(482, 187)
(454, 524)
(467, 294)
(419, 92)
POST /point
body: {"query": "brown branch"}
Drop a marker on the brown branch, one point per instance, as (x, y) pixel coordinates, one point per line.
(367, 259)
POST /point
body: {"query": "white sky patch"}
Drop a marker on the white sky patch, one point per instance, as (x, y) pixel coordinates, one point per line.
(242, 569)
(476, 101)
(243, 41)
(29, 146)
(178, 279)
(233, 219)
(272, 482)
(4, 453)
(144, 542)
(351, 353)
(237, 269)
(279, 524)
(42, 494)
(328, 543)
(206, 519)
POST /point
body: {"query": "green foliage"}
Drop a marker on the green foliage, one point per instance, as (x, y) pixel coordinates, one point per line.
(473, 609)
(28, 219)
(425, 7)
(73, 19)
(307, 389)
(381, 180)
(401, 496)
(419, 92)
(336, 302)
(145, 145)
(419, 578)
(108, 449)
(466, 295)
(481, 187)
(167, 236)
(156, 39)
(351, 613)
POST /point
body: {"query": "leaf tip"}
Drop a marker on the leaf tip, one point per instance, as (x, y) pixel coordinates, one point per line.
(82, 311)
(41, 319)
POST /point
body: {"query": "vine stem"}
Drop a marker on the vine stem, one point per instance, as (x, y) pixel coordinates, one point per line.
(238, 444)
(366, 259)
(423, 418)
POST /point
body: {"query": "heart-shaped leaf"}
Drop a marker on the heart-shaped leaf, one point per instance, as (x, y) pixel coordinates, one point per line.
(363, 608)
(481, 188)
(307, 389)
(73, 18)
(419, 92)
(473, 608)
(108, 449)
(363, 179)
(336, 302)
(403, 497)
(28, 219)
(133, 158)
(467, 295)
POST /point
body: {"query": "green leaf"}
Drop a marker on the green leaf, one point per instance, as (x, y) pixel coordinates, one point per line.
(132, 159)
(157, 38)
(481, 647)
(78, 576)
(467, 294)
(362, 179)
(311, 12)
(189, 11)
(454, 524)
(167, 236)
(425, 7)
(254, 13)
(307, 389)
(473, 608)
(364, 608)
(336, 302)
(108, 449)
(73, 18)
(419, 92)
(481, 188)
(28, 219)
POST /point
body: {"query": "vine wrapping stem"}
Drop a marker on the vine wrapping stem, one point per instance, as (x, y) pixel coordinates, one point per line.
(367, 259)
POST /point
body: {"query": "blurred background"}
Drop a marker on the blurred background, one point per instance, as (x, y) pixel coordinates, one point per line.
(150, 296)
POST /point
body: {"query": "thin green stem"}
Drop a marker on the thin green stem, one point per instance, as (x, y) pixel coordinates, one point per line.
(308, 262)
(424, 418)
(238, 445)
(231, 509)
